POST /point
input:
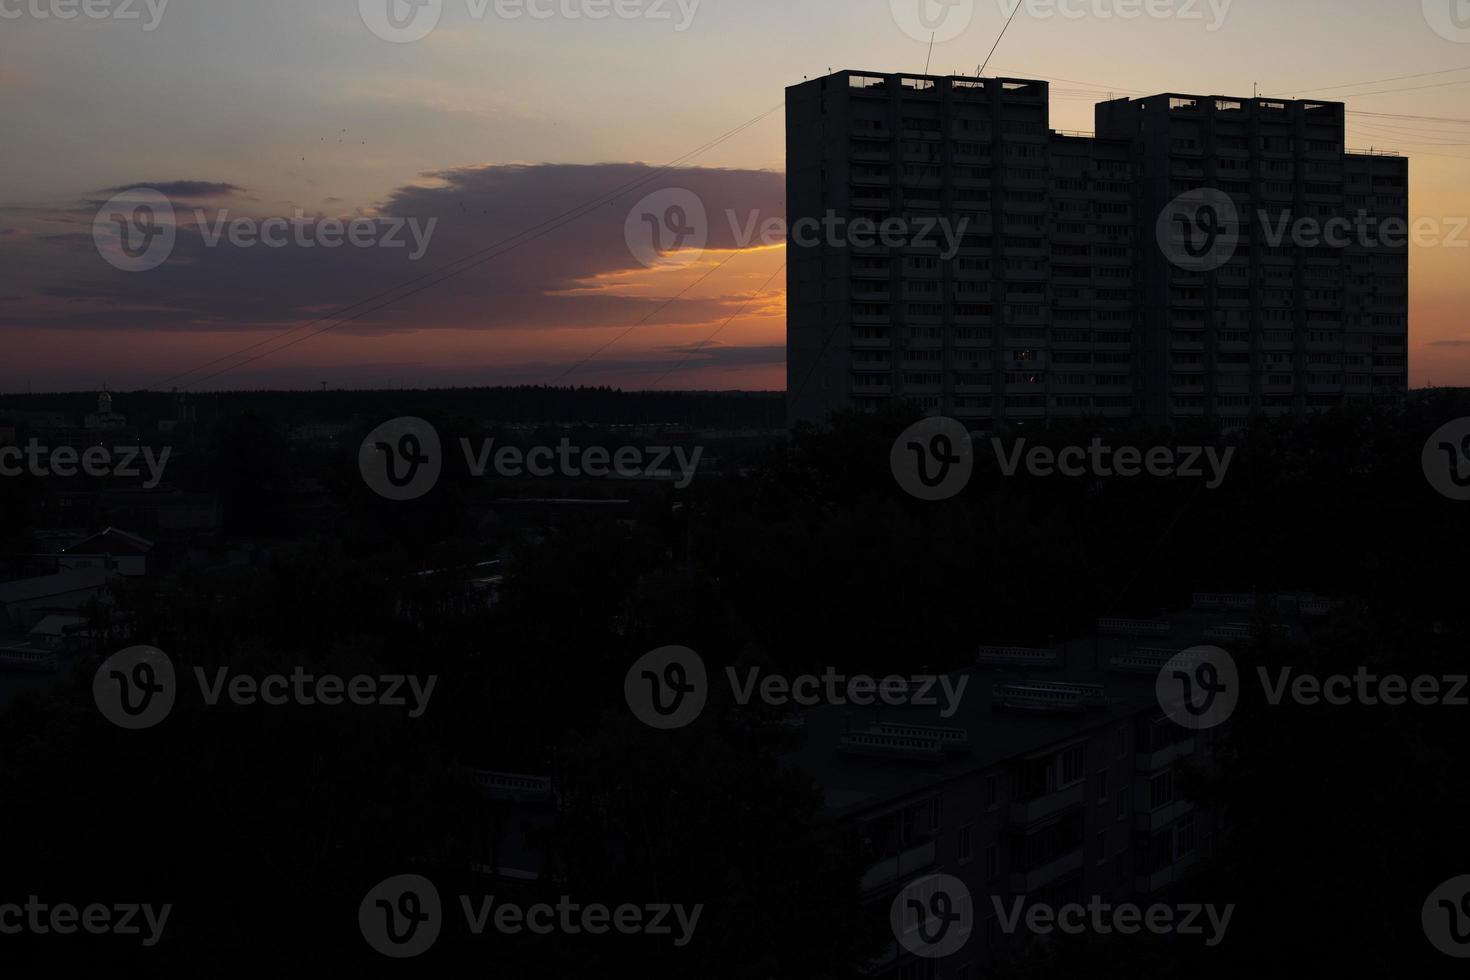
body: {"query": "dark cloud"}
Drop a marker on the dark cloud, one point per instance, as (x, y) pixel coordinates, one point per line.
(186, 189)
(496, 259)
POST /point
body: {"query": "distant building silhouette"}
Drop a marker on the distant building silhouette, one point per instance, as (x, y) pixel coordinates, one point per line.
(1064, 294)
(105, 419)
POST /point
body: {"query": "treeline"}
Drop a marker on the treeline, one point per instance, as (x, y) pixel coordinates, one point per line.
(531, 405)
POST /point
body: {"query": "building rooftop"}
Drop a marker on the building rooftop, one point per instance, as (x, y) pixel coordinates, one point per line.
(112, 541)
(45, 586)
(854, 783)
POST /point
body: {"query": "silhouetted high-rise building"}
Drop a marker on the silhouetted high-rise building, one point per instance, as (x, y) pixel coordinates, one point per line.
(1027, 273)
(1306, 305)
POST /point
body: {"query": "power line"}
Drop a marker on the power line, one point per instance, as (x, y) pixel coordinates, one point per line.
(649, 316)
(1375, 81)
(557, 221)
(1399, 115)
(710, 339)
(476, 258)
(1003, 30)
(1412, 88)
(1101, 86)
(1447, 156)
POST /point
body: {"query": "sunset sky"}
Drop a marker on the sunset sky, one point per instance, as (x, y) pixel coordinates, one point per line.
(495, 125)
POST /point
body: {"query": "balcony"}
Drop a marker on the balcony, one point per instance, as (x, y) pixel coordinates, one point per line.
(898, 867)
(1026, 882)
(1164, 877)
(21, 659)
(1024, 814)
(1164, 816)
(1163, 757)
(514, 787)
(1018, 183)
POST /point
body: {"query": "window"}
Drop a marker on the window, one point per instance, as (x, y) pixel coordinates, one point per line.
(1102, 784)
(967, 844)
(1122, 743)
(1161, 790)
(1073, 760)
(1184, 840)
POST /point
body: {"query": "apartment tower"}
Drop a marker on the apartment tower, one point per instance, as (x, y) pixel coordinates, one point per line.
(1056, 291)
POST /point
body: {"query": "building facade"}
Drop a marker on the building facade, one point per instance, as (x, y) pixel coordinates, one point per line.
(1052, 289)
(1059, 778)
